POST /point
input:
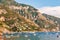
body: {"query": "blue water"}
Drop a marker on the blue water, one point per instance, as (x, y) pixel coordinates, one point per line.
(33, 36)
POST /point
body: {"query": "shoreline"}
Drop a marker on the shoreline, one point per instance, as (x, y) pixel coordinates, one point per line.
(26, 32)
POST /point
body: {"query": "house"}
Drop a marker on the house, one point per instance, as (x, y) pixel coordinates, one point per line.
(2, 11)
(2, 18)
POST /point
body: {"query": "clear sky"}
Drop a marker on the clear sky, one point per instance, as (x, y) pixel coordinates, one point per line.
(40, 3)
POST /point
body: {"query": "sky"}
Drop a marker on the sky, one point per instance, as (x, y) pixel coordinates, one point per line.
(51, 7)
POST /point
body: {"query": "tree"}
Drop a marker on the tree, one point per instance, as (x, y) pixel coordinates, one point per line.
(14, 29)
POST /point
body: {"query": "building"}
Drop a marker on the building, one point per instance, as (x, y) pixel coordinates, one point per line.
(2, 18)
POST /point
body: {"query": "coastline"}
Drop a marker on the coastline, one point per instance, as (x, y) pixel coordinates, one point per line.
(29, 32)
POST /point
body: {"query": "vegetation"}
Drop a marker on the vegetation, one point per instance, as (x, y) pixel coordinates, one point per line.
(23, 18)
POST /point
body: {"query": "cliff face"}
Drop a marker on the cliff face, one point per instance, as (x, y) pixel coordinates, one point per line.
(16, 17)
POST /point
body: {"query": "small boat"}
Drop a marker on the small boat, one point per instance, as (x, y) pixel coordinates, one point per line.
(57, 36)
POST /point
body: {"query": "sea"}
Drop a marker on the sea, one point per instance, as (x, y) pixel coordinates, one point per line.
(32, 36)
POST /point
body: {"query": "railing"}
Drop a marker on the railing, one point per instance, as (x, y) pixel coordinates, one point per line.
(1, 37)
(7, 38)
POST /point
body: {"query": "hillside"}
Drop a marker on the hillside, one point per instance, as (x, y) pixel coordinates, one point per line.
(50, 17)
(13, 19)
(53, 18)
(17, 17)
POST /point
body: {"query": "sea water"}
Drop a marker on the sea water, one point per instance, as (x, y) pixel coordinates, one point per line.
(33, 36)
